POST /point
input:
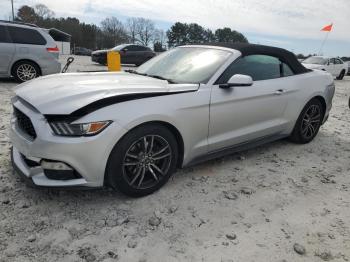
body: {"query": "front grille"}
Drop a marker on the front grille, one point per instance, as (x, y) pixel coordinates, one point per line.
(24, 123)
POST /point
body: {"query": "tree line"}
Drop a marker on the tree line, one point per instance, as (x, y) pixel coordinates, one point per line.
(112, 31)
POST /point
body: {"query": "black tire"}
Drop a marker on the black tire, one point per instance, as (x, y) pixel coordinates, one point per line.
(25, 70)
(122, 172)
(341, 76)
(308, 123)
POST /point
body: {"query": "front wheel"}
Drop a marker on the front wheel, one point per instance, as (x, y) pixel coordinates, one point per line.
(142, 161)
(308, 123)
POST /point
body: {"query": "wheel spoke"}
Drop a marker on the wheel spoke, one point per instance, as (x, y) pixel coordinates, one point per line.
(161, 156)
(145, 144)
(151, 146)
(312, 130)
(142, 176)
(137, 175)
(316, 117)
(305, 130)
(158, 169)
(152, 172)
(132, 156)
(131, 163)
(161, 151)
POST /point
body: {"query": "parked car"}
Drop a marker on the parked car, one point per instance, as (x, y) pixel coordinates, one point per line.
(26, 51)
(129, 54)
(332, 65)
(81, 51)
(131, 130)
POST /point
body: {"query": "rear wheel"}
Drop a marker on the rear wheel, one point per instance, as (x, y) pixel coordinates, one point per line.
(341, 76)
(25, 71)
(142, 161)
(308, 123)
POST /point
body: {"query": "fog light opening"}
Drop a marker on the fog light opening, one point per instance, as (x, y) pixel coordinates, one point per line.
(52, 165)
(58, 170)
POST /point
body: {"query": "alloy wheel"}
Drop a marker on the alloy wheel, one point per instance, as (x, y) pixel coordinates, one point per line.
(311, 121)
(26, 72)
(147, 161)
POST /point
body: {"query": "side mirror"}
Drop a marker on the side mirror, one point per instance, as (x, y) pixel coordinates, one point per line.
(124, 50)
(238, 80)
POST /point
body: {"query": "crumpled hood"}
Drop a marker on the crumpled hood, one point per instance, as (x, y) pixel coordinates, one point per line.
(66, 93)
(313, 66)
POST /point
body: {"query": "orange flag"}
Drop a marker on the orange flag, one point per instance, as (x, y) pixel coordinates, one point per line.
(327, 28)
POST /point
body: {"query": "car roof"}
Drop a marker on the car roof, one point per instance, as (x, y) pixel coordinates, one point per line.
(19, 24)
(253, 49)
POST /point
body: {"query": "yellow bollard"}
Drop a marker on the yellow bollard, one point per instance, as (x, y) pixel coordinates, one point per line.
(113, 61)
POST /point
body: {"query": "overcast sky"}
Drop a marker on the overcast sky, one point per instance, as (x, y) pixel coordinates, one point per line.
(294, 25)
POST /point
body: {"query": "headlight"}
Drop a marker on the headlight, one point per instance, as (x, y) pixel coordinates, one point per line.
(63, 128)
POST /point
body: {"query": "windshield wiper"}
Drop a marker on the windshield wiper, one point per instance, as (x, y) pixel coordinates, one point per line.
(135, 72)
(154, 76)
(163, 78)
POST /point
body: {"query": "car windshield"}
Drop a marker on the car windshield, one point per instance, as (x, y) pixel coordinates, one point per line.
(118, 47)
(186, 64)
(315, 60)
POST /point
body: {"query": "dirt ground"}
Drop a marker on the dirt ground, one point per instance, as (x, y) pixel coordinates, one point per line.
(278, 202)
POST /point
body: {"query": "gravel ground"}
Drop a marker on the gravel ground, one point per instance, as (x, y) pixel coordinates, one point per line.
(278, 202)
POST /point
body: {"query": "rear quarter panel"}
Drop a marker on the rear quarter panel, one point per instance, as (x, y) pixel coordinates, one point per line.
(305, 87)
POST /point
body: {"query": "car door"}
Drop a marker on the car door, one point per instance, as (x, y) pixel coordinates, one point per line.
(332, 68)
(339, 66)
(244, 113)
(7, 50)
(126, 55)
(138, 54)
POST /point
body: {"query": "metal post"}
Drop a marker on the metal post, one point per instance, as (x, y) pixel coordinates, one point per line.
(324, 41)
(13, 11)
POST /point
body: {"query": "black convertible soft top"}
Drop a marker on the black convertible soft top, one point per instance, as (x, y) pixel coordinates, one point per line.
(252, 49)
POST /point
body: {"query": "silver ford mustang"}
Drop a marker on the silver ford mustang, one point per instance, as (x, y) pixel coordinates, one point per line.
(131, 130)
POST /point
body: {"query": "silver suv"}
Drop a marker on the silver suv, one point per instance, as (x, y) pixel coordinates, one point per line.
(27, 51)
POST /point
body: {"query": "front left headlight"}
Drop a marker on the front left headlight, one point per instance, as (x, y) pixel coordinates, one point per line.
(63, 128)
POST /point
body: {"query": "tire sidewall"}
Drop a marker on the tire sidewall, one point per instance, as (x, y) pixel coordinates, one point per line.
(114, 170)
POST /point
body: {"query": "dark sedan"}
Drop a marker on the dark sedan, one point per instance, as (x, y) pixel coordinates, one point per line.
(81, 51)
(129, 54)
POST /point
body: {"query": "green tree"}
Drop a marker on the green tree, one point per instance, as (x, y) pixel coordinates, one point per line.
(195, 34)
(27, 14)
(229, 36)
(177, 34)
(182, 33)
(158, 47)
(209, 36)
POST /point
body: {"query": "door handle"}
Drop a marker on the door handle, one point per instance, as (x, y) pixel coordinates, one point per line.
(279, 92)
